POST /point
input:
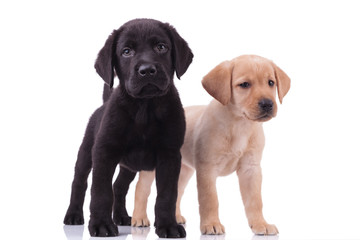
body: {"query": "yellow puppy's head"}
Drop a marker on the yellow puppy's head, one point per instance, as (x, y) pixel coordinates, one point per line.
(248, 84)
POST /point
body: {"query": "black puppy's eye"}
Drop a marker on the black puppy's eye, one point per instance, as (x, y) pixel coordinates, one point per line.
(271, 83)
(161, 47)
(127, 52)
(245, 85)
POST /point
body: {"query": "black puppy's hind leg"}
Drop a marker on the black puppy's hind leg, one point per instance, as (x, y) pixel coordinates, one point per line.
(120, 188)
(74, 214)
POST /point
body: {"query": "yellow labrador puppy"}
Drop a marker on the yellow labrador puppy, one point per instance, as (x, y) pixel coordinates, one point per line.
(223, 137)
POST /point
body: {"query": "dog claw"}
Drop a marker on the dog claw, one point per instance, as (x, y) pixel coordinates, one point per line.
(264, 229)
(140, 222)
(176, 231)
(180, 219)
(122, 221)
(212, 229)
(103, 229)
(74, 218)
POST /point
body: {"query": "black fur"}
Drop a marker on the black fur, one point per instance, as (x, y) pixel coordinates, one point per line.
(140, 126)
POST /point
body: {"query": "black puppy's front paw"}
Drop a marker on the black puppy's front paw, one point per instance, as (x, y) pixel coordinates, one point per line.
(74, 218)
(122, 220)
(103, 229)
(173, 231)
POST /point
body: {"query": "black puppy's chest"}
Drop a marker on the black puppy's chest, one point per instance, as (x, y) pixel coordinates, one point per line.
(145, 133)
(144, 120)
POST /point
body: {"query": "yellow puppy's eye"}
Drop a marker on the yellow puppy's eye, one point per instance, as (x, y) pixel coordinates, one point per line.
(271, 83)
(245, 85)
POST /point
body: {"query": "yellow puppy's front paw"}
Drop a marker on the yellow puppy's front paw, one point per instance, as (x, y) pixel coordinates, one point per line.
(214, 228)
(264, 228)
(180, 219)
(140, 222)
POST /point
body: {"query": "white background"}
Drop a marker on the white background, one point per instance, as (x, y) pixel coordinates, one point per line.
(311, 161)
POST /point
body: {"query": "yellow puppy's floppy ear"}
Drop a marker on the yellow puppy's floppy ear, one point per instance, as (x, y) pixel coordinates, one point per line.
(218, 82)
(282, 82)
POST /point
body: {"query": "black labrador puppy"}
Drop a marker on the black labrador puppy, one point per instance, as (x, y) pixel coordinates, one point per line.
(140, 127)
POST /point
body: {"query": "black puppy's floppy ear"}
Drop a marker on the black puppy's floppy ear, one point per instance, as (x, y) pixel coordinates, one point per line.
(104, 63)
(181, 53)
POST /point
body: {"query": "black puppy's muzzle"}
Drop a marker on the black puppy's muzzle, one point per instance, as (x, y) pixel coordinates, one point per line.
(150, 81)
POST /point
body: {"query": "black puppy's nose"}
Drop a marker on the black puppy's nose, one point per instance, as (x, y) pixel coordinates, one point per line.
(147, 69)
(266, 105)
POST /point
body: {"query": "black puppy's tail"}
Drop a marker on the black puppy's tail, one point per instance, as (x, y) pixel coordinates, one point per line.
(106, 92)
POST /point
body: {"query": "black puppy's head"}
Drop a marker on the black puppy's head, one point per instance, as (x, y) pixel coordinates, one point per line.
(145, 53)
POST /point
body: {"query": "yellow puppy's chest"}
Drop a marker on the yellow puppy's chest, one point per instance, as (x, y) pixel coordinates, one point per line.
(233, 154)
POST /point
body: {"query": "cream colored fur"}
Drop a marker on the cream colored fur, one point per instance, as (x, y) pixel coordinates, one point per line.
(223, 137)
